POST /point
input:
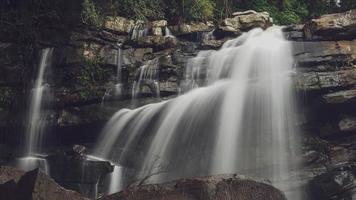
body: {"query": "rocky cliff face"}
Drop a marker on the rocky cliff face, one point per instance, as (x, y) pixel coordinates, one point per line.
(84, 76)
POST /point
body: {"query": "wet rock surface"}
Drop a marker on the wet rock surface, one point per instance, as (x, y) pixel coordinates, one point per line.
(73, 170)
(208, 188)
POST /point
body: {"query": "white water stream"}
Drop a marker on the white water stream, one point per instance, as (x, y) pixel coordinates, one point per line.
(237, 115)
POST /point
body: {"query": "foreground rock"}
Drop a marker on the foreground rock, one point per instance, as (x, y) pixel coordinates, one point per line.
(34, 185)
(207, 188)
(337, 183)
(332, 26)
(74, 171)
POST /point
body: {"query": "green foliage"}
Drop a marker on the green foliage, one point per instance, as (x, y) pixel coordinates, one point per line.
(198, 9)
(140, 9)
(92, 72)
(91, 15)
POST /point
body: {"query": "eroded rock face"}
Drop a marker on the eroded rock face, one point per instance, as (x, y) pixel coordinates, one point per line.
(207, 188)
(35, 185)
(332, 27)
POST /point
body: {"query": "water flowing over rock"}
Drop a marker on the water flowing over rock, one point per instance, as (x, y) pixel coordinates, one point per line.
(207, 188)
(242, 107)
(332, 26)
(36, 119)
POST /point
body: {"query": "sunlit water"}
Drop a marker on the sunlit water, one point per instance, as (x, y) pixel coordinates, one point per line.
(237, 115)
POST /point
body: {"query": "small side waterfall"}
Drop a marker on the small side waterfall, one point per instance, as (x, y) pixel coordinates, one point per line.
(115, 180)
(118, 86)
(148, 76)
(167, 32)
(36, 117)
(117, 89)
(138, 31)
(237, 115)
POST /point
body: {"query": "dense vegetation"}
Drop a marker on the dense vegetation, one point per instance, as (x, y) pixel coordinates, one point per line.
(283, 11)
(35, 12)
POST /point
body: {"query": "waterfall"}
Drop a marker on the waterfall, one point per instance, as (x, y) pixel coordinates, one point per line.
(36, 116)
(237, 115)
(118, 86)
(115, 180)
(149, 76)
(167, 32)
(138, 31)
(117, 89)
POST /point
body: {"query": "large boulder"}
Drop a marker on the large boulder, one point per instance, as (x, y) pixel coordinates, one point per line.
(332, 27)
(245, 21)
(119, 24)
(34, 185)
(207, 188)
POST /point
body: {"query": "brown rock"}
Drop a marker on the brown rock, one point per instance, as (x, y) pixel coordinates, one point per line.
(10, 173)
(35, 185)
(119, 24)
(207, 188)
(160, 42)
(325, 55)
(192, 27)
(244, 21)
(332, 26)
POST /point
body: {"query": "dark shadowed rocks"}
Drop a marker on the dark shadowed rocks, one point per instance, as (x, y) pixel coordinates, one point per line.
(338, 183)
(205, 188)
(34, 185)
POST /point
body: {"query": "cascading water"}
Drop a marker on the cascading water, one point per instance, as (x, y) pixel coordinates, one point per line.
(167, 32)
(138, 31)
(148, 75)
(115, 180)
(236, 116)
(36, 125)
(118, 87)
